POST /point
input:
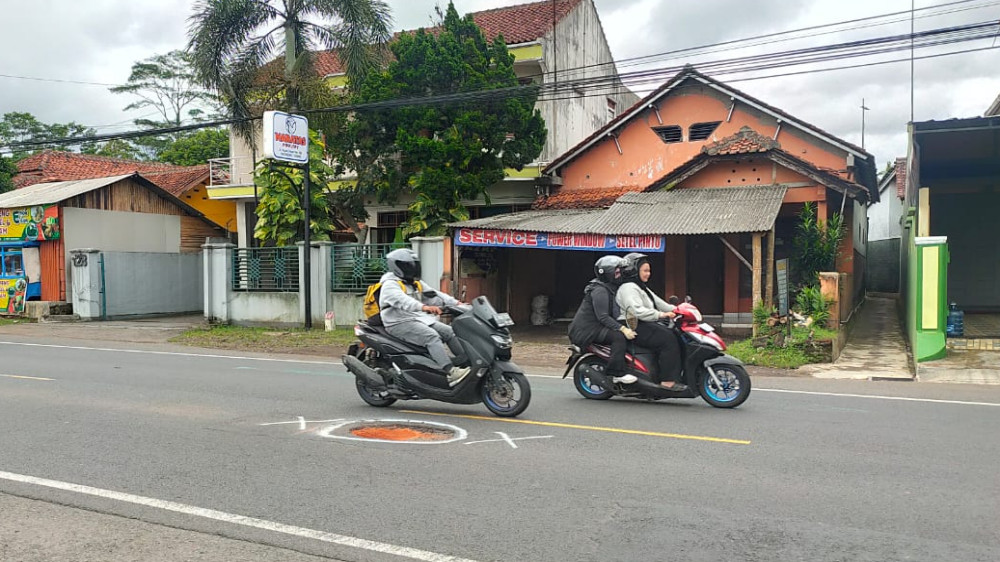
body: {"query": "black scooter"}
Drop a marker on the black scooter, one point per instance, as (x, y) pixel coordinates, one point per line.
(388, 369)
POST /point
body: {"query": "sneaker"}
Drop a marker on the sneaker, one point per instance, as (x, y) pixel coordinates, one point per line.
(624, 379)
(456, 375)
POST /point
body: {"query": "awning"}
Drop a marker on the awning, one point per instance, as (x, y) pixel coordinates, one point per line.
(691, 211)
(636, 221)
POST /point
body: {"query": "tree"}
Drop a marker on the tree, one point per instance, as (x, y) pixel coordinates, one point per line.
(8, 169)
(166, 83)
(117, 148)
(280, 216)
(197, 148)
(443, 153)
(233, 41)
(19, 127)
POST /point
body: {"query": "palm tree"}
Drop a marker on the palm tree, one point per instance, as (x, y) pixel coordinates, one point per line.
(232, 40)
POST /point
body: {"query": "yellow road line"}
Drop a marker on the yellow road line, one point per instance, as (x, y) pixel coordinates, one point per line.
(588, 427)
(31, 378)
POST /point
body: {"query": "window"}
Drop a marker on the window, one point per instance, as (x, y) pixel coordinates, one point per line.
(669, 134)
(612, 109)
(12, 262)
(702, 131)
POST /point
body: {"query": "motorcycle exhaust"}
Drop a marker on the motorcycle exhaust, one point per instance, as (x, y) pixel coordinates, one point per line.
(596, 376)
(363, 372)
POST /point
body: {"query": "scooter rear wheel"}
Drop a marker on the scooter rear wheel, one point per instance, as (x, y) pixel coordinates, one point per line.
(586, 387)
(379, 399)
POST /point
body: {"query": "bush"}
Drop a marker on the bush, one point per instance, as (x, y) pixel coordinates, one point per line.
(811, 302)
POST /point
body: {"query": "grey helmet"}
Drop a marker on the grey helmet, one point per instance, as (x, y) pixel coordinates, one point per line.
(631, 264)
(404, 263)
(608, 269)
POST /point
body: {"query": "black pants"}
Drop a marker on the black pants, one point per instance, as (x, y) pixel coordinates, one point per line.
(657, 337)
(618, 343)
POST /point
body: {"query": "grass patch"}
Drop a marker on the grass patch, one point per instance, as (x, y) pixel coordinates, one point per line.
(274, 340)
(11, 320)
(795, 354)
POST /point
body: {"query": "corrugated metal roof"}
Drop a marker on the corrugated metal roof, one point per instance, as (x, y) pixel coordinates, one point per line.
(565, 221)
(53, 192)
(713, 210)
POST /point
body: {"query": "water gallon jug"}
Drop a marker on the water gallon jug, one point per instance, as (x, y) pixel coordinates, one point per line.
(956, 321)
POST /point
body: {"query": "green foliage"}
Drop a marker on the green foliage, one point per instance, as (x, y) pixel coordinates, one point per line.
(117, 148)
(817, 245)
(280, 216)
(7, 171)
(811, 302)
(805, 346)
(19, 127)
(197, 148)
(442, 153)
(233, 44)
(761, 313)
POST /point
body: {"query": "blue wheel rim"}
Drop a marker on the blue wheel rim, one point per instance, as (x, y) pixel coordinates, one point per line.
(588, 386)
(512, 403)
(730, 386)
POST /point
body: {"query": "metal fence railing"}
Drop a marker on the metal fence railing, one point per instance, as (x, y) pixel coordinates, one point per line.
(356, 266)
(266, 269)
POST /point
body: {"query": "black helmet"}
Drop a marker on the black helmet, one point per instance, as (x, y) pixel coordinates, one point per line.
(631, 264)
(404, 263)
(608, 269)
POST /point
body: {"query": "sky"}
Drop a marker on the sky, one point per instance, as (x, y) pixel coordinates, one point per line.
(97, 42)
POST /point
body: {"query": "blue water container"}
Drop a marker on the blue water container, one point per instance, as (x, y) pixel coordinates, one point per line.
(956, 321)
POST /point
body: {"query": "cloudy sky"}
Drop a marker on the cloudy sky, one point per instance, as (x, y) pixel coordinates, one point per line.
(91, 45)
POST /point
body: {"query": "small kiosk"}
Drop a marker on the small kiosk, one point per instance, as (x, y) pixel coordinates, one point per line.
(23, 230)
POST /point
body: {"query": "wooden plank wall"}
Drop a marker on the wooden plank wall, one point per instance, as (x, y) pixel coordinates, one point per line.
(52, 254)
(194, 231)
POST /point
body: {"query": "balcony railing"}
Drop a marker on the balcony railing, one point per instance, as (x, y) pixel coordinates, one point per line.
(228, 172)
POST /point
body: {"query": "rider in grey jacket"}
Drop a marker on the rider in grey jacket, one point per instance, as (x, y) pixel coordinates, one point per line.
(411, 315)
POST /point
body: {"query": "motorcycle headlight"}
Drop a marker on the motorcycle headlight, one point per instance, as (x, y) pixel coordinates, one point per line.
(503, 342)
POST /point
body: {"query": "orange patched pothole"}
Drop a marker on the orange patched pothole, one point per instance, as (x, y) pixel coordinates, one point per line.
(400, 432)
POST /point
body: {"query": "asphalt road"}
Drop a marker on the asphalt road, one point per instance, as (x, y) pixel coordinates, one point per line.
(247, 448)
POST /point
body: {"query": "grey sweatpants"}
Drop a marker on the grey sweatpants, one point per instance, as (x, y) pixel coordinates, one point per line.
(430, 337)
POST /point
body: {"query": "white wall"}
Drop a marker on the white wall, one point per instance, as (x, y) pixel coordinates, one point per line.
(885, 215)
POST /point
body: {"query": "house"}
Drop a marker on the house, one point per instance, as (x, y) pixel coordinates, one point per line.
(952, 200)
(994, 108)
(885, 230)
(541, 49)
(699, 174)
(41, 222)
(187, 183)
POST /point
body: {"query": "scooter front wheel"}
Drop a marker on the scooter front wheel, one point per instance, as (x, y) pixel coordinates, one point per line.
(506, 395)
(733, 390)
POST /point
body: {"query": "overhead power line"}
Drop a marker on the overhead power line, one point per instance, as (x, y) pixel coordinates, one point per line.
(563, 90)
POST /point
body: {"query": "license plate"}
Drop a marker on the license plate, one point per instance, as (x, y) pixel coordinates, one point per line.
(706, 327)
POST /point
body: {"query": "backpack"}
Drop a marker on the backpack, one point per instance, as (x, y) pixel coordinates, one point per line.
(371, 306)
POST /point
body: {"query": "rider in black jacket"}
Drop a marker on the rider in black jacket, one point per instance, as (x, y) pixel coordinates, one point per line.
(596, 319)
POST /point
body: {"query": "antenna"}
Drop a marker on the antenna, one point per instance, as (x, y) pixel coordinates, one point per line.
(863, 110)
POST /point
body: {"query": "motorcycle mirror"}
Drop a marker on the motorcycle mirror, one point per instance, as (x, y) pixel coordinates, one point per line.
(462, 298)
(631, 320)
(687, 299)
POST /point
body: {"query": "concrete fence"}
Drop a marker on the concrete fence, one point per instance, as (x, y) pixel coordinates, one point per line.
(269, 305)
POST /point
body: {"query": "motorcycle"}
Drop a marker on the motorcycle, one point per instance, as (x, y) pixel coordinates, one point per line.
(388, 369)
(720, 379)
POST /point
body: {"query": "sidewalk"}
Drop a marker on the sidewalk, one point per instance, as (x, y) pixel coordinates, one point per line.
(875, 349)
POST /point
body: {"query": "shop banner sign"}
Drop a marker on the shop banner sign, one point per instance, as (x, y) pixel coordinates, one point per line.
(12, 295)
(555, 241)
(30, 223)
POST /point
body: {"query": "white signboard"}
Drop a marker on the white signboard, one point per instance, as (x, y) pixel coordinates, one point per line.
(286, 137)
(782, 266)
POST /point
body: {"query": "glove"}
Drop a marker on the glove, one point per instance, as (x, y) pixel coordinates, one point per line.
(629, 333)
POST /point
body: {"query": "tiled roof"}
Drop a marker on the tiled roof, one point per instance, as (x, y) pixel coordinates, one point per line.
(745, 141)
(901, 178)
(593, 198)
(522, 23)
(57, 166)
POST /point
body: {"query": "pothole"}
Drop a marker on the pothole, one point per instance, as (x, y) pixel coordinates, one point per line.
(394, 431)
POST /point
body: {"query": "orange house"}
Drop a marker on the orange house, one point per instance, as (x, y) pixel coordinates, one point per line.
(707, 177)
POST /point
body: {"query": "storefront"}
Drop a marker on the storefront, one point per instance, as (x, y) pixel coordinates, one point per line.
(24, 231)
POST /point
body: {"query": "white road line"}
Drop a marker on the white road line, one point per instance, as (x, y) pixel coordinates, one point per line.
(176, 353)
(878, 397)
(26, 377)
(354, 542)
